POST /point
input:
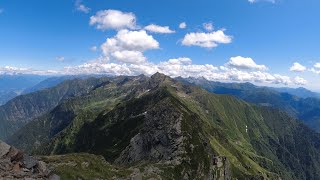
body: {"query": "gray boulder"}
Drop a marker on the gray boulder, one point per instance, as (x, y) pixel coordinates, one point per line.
(14, 164)
(29, 162)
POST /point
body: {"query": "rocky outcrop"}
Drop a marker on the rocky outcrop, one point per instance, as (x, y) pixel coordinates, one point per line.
(14, 164)
(160, 139)
(221, 168)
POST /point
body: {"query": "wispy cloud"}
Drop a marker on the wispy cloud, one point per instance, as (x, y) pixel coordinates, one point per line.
(1, 10)
(208, 26)
(159, 29)
(94, 48)
(60, 58)
(183, 25)
(81, 7)
(256, 1)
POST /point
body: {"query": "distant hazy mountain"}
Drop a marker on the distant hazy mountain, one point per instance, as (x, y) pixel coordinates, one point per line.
(12, 85)
(13, 82)
(300, 92)
(5, 96)
(305, 109)
(163, 129)
(48, 83)
(53, 81)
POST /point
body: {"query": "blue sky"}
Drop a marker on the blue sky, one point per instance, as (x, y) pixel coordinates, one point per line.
(251, 41)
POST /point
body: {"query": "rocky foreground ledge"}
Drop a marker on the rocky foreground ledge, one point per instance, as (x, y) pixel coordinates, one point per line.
(14, 164)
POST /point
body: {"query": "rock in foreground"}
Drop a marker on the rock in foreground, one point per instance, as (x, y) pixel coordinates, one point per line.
(14, 164)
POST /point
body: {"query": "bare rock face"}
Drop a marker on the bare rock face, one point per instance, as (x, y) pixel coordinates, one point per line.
(160, 140)
(14, 164)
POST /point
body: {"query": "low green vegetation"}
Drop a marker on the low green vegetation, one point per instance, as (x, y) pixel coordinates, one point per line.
(84, 166)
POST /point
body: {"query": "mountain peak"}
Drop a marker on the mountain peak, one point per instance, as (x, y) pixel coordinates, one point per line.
(159, 78)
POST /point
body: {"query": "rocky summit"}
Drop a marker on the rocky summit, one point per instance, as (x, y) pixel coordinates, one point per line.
(14, 164)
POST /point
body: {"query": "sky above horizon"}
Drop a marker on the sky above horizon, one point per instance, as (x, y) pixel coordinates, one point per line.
(267, 42)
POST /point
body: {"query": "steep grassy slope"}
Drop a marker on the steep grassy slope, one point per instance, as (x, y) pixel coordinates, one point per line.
(158, 127)
(77, 110)
(305, 109)
(22, 109)
(258, 139)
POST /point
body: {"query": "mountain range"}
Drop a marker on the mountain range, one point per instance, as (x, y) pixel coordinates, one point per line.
(300, 92)
(13, 85)
(159, 127)
(305, 109)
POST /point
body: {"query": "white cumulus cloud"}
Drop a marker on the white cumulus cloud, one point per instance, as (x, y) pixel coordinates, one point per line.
(297, 67)
(129, 43)
(181, 60)
(132, 57)
(317, 65)
(240, 62)
(299, 81)
(113, 19)
(184, 67)
(159, 29)
(315, 69)
(206, 40)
